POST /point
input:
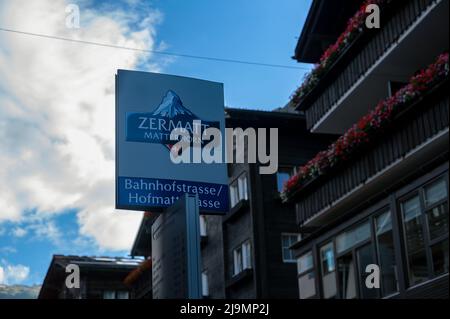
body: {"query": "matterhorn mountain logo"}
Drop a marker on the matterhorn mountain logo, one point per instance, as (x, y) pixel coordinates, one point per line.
(172, 106)
(156, 127)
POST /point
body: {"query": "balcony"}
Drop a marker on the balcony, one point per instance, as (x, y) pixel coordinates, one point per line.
(417, 137)
(360, 77)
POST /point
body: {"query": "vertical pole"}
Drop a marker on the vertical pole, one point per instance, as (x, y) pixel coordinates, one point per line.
(193, 247)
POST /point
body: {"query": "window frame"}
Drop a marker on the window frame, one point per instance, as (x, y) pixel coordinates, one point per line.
(205, 283)
(310, 270)
(244, 257)
(236, 184)
(427, 208)
(428, 243)
(397, 250)
(389, 201)
(331, 242)
(112, 292)
(125, 292)
(203, 226)
(370, 219)
(293, 260)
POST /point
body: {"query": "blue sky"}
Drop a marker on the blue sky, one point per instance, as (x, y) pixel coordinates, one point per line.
(56, 177)
(264, 31)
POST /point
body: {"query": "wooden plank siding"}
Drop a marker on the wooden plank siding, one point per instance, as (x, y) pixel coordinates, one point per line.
(424, 120)
(335, 85)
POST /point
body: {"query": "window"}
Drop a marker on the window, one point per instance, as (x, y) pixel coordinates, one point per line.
(425, 224)
(365, 257)
(306, 276)
(436, 205)
(414, 237)
(242, 258)
(343, 261)
(386, 253)
(347, 276)
(109, 294)
(287, 240)
(328, 269)
(283, 175)
(238, 190)
(203, 232)
(234, 194)
(353, 237)
(354, 252)
(242, 184)
(122, 295)
(439, 253)
(205, 287)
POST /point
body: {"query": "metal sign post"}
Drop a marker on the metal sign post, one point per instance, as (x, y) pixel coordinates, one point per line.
(176, 271)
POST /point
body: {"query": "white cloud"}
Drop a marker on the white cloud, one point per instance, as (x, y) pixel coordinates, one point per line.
(57, 115)
(19, 232)
(46, 229)
(13, 274)
(8, 250)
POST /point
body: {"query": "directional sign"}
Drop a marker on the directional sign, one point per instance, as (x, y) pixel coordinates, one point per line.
(149, 107)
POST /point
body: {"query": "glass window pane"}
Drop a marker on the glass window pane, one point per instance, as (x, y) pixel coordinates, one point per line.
(328, 271)
(435, 192)
(283, 176)
(246, 187)
(440, 257)
(122, 295)
(386, 254)
(352, 237)
(346, 275)
(205, 285)
(287, 255)
(365, 258)
(292, 239)
(414, 239)
(411, 209)
(203, 226)
(237, 260)
(305, 262)
(285, 240)
(438, 220)
(327, 258)
(242, 182)
(383, 223)
(247, 256)
(234, 195)
(329, 285)
(307, 285)
(109, 294)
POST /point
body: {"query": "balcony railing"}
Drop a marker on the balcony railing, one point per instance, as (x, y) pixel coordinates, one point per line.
(356, 61)
(411, 130)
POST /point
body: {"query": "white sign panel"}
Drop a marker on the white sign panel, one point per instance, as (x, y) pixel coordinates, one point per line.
(149, 107)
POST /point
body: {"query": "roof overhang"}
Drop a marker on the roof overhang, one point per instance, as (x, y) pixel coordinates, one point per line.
(326, 20)
(142, 245)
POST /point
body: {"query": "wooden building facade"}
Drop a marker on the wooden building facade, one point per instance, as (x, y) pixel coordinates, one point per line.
(386, 204)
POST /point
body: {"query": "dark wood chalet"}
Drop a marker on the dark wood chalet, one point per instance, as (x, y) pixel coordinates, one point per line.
(387, 202)
(100, 278)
